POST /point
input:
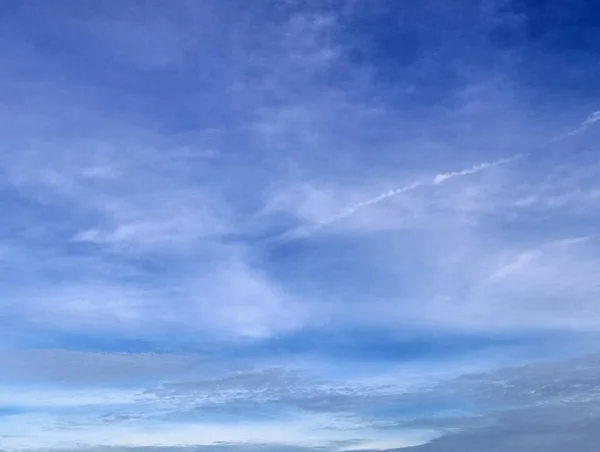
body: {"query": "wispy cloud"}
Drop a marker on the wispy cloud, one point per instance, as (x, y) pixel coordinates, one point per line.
(586, 124)
(435, 180)
(443, 177)
(200, 243)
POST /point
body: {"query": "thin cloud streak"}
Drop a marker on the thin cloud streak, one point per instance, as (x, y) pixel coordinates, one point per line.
(444, 177)
(593, 118)
(435, 180)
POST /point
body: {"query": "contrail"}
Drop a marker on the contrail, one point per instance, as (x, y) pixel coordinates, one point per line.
(443, 177)
(589, 121)
(435, 180)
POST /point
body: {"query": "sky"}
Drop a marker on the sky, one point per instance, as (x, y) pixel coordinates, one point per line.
(299, 226)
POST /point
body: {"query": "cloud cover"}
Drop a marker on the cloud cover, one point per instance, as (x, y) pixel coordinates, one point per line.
(273, 224)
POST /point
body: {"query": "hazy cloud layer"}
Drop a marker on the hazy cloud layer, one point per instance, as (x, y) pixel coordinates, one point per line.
(299, 225)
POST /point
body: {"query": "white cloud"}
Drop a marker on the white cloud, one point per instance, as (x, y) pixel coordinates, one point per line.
(237, 300)
(550, 287)
(313, 430)
(522, 260)
(436, 180)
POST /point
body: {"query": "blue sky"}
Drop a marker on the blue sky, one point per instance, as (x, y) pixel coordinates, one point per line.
(299, 226)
